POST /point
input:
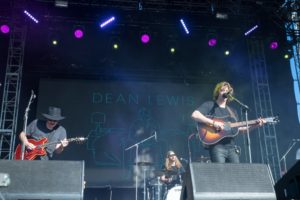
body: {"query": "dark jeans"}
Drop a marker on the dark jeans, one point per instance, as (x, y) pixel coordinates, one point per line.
(224, 153)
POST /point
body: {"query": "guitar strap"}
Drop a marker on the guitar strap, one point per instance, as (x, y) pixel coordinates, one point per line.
(232, 114)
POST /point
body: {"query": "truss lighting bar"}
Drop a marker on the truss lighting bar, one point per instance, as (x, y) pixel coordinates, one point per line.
(184, 26)
(107, 22)
(251, 30)
(31, 17)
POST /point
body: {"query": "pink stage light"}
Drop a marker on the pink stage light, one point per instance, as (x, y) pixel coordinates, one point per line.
(273, 45)
(145, 38)
(4, 28)
(212, 42)
(78, 33)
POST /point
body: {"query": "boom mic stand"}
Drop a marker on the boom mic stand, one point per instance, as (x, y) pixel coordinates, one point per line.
(136, 160)
(286, 153)
(245, 108)
(32, 97)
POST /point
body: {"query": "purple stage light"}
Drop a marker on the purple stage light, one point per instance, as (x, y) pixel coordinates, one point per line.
(102, 25)
(78, 33)
(212, 42)
(31, 17)
(145, 38)
(4, 28)
(274, 45)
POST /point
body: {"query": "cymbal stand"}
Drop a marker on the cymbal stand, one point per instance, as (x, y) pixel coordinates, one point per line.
(136, 161)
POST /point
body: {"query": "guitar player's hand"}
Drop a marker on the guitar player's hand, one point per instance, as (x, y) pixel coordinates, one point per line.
(218, 125)
(64, 142)
(30, 146)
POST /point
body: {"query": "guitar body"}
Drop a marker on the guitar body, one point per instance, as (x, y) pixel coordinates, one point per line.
(210, 135)
(31, 154)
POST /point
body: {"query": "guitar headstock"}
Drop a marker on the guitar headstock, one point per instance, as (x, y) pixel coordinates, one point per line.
(78, 139)
(272, 120)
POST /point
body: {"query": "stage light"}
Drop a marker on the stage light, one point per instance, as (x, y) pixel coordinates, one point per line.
(4, 28)
(115, 46)
(31, 17)
(226, 52)
(145, 38)
(286, 56)
(78, 33)
(212, 42)
(106, 22)
(61, 3)
(172, 50)
(184, 26)
(273, 45)
(251, 30)
(55, 42)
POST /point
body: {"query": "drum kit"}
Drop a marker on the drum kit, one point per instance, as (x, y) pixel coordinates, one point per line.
(157, 190)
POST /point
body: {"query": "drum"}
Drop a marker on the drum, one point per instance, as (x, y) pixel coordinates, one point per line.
(155, 189)
(174, 193)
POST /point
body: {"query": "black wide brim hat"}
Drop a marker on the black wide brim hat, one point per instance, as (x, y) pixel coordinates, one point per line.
(54, 114)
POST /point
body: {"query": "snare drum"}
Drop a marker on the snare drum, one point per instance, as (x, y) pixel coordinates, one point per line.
(174, 193)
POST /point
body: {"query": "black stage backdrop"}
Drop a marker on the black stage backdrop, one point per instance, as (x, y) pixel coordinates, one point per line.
(115, 115)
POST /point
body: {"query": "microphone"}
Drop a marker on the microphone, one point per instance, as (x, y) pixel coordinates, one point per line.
(33, 95)
(155, 136)
(296, 140)
(226, 95)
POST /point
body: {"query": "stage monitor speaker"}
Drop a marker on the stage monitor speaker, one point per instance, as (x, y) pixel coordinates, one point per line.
(288, 187)
(215, 181)
(36, 179)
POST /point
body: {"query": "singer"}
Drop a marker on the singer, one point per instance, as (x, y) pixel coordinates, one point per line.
(49, 128)
(214, 114)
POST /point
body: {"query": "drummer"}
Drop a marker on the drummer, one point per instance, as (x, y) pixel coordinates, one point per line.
(173, 170)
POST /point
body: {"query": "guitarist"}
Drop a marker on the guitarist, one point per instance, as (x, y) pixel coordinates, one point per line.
(47, 128)
(224, 150)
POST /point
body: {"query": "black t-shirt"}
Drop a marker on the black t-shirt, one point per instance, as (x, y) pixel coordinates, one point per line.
(212, 110)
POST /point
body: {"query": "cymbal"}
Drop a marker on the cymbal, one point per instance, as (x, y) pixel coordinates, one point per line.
(143, 163)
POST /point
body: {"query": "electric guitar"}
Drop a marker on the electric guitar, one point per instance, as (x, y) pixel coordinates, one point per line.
(209, 135)
(40, 148)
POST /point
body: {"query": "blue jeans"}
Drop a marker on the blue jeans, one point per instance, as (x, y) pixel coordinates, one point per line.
(224, 153)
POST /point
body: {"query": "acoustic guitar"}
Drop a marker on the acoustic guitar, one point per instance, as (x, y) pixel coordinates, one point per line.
(40, 148)
(210, 135)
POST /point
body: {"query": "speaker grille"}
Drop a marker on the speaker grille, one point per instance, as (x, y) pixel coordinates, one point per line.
(43, 179)
(231, 181)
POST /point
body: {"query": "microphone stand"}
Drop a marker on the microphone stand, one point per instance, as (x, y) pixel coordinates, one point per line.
(286, 153)
(32, 97)
(245, 108)
(136, 161)
(189, 148)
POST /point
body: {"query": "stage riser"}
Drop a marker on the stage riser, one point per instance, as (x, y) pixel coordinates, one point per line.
(213, 181)
(60, 180)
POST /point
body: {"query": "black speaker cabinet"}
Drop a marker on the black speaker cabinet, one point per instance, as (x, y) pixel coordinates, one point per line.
(215, 181)
(38, 179)
(288, 187)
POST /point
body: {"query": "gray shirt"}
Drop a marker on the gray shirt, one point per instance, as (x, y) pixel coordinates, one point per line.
(37, 129)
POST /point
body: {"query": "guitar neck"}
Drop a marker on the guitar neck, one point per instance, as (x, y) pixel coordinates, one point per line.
(52, 143)
(243, 123)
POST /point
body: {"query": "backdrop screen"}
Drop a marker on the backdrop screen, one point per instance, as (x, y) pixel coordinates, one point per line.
(116, 115)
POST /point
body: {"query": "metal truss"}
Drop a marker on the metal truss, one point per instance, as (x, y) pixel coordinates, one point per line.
(11, 90)
(267, 136)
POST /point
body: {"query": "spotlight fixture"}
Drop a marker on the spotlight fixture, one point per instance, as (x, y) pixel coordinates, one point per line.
(31, 17)
(212, 42)
(61, 3)
(226, 52)
(106, 22)
(4, 28)
(184, 26)
(78, 33)
(273, 45)
(145, 38)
